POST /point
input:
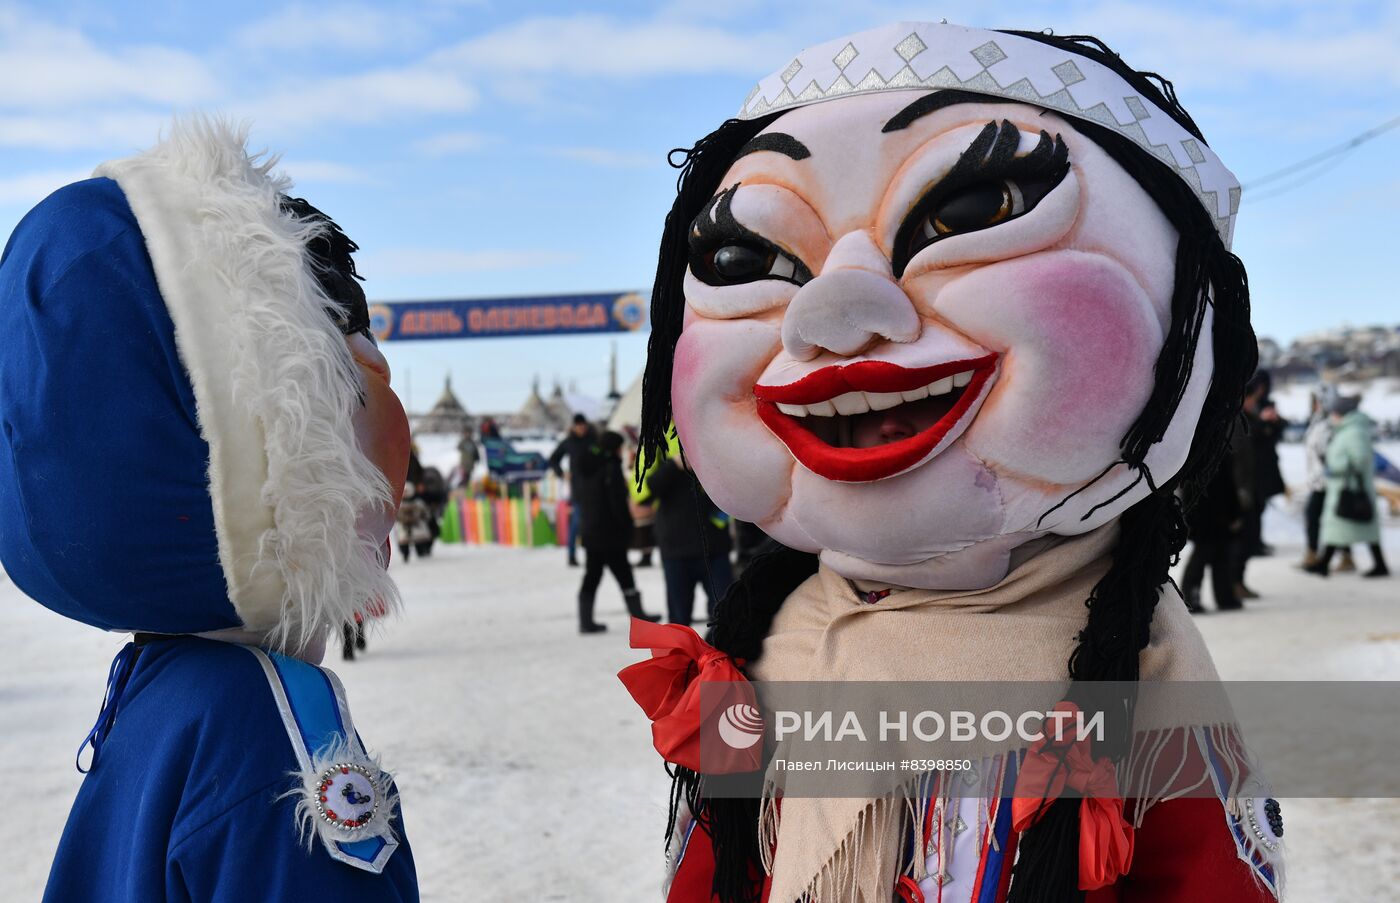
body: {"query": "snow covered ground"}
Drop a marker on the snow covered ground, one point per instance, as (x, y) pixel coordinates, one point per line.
(526, 770)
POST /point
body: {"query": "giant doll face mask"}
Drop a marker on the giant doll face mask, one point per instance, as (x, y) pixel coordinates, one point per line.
(382, 432)
(910, 337)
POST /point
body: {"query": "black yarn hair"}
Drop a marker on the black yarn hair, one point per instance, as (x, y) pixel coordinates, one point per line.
(1121, 606)
(330, 252)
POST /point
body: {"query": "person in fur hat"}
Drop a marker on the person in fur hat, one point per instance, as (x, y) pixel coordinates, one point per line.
(951, 315)
(194, 341)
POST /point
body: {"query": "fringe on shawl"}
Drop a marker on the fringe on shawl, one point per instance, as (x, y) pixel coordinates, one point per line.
(1218, 752)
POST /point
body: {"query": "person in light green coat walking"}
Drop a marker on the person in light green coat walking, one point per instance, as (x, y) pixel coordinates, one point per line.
(1351, 461)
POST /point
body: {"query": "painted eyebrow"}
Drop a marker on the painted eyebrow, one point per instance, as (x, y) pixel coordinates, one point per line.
(930, 103)
(777, 142)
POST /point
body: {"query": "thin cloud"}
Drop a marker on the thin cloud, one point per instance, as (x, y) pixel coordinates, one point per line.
(346, 27)
(1212, 50)
(30, 188)
(593, 45)
(325, 171)
(447, 144)
(113, 132)
(602, 156)
(365, 98)
(44, 67)
(401, 262)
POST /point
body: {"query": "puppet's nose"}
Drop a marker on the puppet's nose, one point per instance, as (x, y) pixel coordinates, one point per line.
(854, 302)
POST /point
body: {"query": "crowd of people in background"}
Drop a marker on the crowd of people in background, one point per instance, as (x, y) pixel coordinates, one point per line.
(1341, 510)
(616, 508)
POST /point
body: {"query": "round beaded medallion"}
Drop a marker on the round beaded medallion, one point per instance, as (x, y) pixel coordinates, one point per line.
(1265, 820)
(346, 796)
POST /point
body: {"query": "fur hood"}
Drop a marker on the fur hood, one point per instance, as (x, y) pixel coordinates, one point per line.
(177, 346)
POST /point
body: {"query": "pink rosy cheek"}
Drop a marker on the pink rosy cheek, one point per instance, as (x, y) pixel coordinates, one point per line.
(743, 467)
(1080, 339)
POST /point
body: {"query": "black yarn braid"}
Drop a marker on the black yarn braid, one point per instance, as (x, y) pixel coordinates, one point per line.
(1121, 606)
(701, 168)
(745, 613)
(1152, 532)
(742, 619)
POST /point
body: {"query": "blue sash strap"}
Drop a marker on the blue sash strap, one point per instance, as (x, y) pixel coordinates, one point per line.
(313, 709)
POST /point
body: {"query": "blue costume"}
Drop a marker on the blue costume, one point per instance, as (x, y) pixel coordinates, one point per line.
(178, 461)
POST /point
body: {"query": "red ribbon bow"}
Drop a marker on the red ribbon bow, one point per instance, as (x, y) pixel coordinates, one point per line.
(668, 687)
(1051, 765)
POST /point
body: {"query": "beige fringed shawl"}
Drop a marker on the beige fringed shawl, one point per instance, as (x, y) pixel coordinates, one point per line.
(1023, 628)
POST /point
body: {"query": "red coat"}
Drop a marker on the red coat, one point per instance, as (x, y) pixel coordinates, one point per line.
(1185, 853)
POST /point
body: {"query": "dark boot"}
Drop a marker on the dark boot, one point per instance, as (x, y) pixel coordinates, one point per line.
(645, 560)
(1323, 565)
(360, 636)
(347, 647)
(1378, 567)
(1192, 597)
(586, 624)
(633, 598)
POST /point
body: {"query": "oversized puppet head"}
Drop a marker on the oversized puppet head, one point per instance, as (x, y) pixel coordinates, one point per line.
(198, 431)
(938, 291)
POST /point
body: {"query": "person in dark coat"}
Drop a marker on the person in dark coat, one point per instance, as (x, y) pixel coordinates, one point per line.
(605, 528)
(577, 446)
(432, 492)
(693, 536)
(1214, 525)
(1267, 433)
(1244, 464)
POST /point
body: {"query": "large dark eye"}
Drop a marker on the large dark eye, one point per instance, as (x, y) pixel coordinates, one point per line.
(741, 263)
(972, 207)
(975, 207)
(988, 186)
(735, 264)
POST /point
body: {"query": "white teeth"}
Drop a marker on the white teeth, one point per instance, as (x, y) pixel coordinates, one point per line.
(883, 401)
(850, 403)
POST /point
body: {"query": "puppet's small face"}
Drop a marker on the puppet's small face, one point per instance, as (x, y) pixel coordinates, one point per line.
(381, 429)
(908, 338)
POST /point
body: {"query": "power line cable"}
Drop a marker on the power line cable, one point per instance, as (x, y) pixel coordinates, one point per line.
(1306, 177)
(1338, 150)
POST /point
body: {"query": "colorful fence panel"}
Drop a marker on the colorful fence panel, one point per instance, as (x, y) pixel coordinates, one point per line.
(526, 523)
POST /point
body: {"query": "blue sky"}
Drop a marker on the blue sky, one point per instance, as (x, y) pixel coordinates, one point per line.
(487, 148)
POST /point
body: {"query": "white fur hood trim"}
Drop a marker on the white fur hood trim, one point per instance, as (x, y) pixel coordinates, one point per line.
(274, 382)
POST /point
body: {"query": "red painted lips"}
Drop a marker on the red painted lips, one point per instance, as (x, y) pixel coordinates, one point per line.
(886, 386)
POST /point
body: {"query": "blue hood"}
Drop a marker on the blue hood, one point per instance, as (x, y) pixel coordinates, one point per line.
(105, 511)
(177, 406)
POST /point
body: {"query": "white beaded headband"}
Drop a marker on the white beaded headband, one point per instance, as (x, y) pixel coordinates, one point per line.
(923, 55)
